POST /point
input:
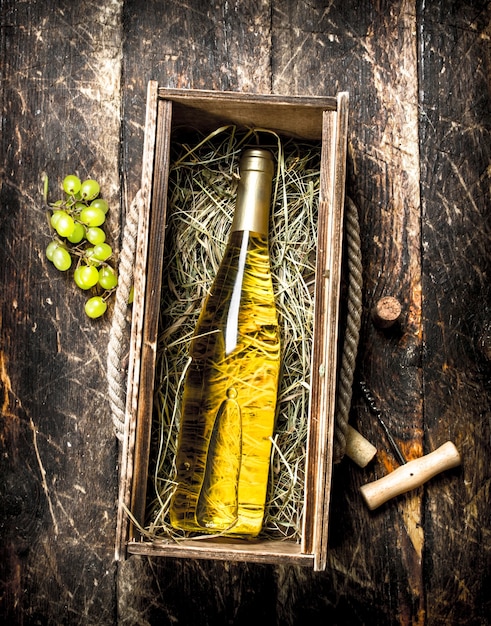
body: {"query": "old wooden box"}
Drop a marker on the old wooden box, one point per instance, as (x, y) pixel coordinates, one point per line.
(311, 118)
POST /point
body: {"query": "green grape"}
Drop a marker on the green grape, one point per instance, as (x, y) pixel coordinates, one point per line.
(95, 235)
(78, 233)
(78, 206)
(101, 204)
(86, 276)
(64, 225)
(90, 189)
(108, 279)
(131, 295)
(92, 216)
(50, 248)
(78, 218)
(95, 307)
(71, 184)
(61, 259)
(102, 251)
(55, 216)
(90, 259)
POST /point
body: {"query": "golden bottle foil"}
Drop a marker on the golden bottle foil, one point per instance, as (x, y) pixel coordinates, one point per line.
(254, 191)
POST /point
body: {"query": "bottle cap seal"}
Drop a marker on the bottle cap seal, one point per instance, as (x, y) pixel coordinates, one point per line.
(254, 192)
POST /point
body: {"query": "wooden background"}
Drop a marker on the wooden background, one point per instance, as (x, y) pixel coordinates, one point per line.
(73, 87)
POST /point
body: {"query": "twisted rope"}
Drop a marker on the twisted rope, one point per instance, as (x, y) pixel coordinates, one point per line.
(118, 345)
(352, 333)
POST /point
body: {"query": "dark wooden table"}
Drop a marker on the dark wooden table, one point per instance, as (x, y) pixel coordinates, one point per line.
(73, 92)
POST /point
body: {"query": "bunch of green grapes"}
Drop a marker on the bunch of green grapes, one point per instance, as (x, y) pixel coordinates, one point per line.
(77, 234)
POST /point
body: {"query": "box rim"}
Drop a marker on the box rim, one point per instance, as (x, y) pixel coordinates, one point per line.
(177, 95)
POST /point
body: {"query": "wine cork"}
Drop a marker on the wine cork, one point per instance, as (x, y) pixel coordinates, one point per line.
(386, 312)
(359, 449)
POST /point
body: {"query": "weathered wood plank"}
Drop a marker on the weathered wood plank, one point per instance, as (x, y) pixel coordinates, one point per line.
(456, 223)
(191, 45)
(60, 98)
(60, 114)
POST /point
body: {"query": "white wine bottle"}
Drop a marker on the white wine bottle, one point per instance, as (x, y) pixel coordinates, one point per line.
(230, 390)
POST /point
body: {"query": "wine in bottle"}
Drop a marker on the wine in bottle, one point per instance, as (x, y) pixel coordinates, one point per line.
(230, 390)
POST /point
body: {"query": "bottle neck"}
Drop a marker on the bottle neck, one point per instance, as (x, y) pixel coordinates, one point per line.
(254, 192)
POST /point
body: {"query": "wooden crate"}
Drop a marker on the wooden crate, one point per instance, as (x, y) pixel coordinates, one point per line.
(308, 118)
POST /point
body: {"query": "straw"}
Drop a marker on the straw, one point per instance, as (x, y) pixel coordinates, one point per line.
(202, 189)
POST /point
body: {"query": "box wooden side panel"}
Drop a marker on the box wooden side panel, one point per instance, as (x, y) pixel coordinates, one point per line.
(324, 359)
(316, 432)
(127, 456)
(203, 96)
(207, 110)
(154, 264)
(337, 175)
(279, 552)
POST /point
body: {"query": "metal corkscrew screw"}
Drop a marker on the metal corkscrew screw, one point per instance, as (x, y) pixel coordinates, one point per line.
(372, 405)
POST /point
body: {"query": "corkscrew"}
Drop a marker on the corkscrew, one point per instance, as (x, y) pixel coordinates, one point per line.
(410, 474)
(372, 405)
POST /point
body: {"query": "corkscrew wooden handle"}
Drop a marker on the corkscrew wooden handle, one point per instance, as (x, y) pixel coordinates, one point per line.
(410, 475)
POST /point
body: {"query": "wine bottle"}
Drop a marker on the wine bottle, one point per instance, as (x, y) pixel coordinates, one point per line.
(230, 389)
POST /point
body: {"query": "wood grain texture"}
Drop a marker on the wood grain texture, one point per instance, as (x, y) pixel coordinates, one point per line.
(73, 91)
(193, 107)
(456, 239)
(192, 45)
(60, 113)
(200, 46)
(347, 47)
